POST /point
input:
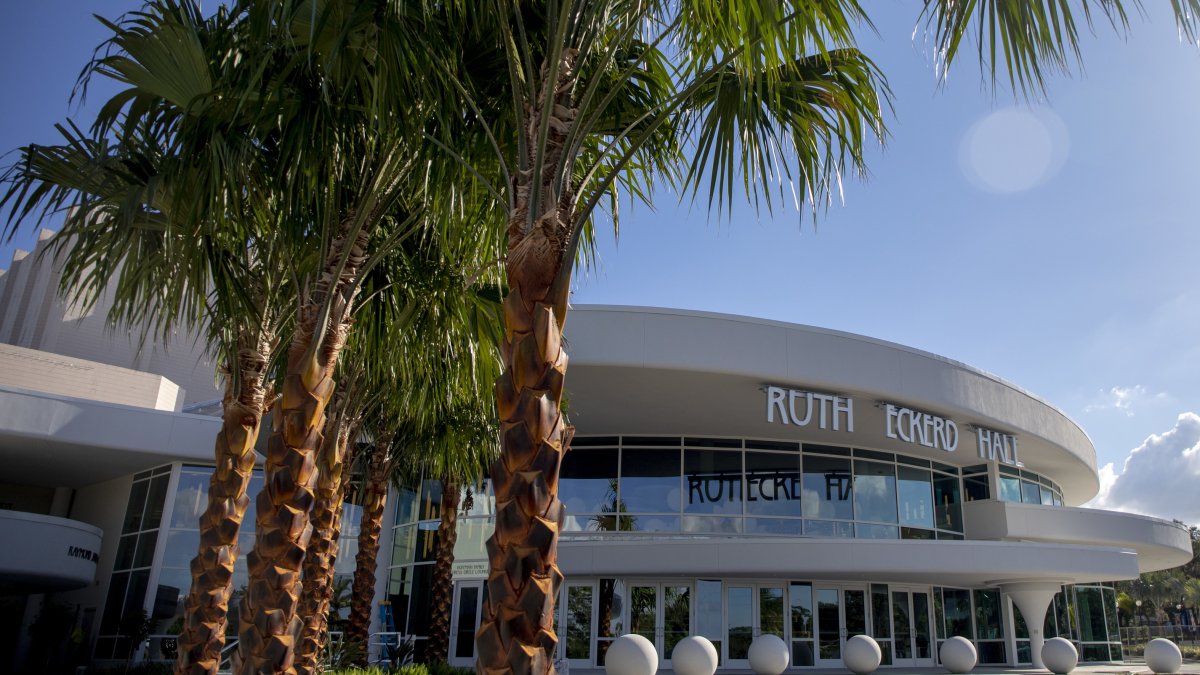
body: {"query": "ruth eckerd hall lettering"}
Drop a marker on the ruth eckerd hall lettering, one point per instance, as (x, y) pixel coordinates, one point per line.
(823, 408)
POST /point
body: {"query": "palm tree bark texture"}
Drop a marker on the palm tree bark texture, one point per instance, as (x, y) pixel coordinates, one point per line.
(438, 649)
(379, 471)
(269, 625)
(319, 560)
(516, 634)
(206, 609)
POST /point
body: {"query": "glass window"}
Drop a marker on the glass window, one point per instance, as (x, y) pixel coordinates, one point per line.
(869, 531)
(1031, 493)
(420, 612)
(802, 610)
(707, 524)
(713, 481)
(1110, 611)
(609, 605)
(1010, 489)
(957, 605)
(587, 481)
(939, 614)
(772, 484)
(976, 488)
(881, 626)
(1047, 495)
(774, 526)
(135, 507)
(649, 481)
(987, 615)
(1090, 604)
(677, 611)
(430, 506)
(828, 488)
(191, 499)
(741, 621)
(915, 487)
(650, 523)
(156, 498)
(829, 528)
(708, 611)
(874, 492)
(949, 503)
(406, 504)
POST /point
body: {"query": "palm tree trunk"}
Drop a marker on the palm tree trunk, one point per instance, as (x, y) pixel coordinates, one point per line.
(206, 609)
(443, 576)
(363, 590)
(517, 630)
(326, 519)
(269, 625)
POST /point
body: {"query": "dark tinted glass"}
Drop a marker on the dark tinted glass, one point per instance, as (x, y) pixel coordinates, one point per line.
(828, 488)
(773, 484)
(712, 481)
(649, 481)
(587, 481)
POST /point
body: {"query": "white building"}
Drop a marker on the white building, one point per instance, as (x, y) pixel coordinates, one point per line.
(729, 477)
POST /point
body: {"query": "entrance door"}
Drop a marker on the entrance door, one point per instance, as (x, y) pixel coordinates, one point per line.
(661, 613)
(751, 610)
(468, 602)
(910, 628)
(841, 613)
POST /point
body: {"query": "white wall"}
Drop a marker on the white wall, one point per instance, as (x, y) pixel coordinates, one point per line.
(48, 373)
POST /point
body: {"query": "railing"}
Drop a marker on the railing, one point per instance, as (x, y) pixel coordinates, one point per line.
(1135, 636)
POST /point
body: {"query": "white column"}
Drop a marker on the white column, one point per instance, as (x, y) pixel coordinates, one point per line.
(1033, 599)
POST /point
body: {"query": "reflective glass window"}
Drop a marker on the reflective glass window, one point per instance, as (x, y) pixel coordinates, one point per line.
(649, 523)
(649, 481)
(713, 481)
(430, 505)
(1047, 495)
(957, 605)
(828, 488)
(773, 484)
(579, 622)
(1031, 493)
(191, 499)
(975, 488)
(916, 496)
(871, 531)
(829, 528)
(774, 526)
(948, 502)
(708, 611)
(1090, 610)
(874, 492)
(1010, 489)
(712, 525)
(587, 481)
(987, 615)
(610, 603)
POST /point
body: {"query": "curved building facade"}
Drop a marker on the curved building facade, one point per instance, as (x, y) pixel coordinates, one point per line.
(731, 477)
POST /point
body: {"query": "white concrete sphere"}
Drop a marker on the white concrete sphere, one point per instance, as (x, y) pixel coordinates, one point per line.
(958, 655)
(861, 654)
(768, 655)
(1059, 655)
(694, 655)
(1162, 656)
(631, 655)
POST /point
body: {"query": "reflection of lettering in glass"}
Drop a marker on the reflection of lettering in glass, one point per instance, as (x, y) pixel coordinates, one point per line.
(760, 485)
(837, 480)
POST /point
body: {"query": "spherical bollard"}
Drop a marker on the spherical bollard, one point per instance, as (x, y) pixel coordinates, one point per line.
(1163, 656)
(1059, 655)
(958, 655)
(694, 655)
(768, 655)
(631, 655)
(862, 654)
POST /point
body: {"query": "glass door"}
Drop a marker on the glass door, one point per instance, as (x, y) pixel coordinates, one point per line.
(752, 610)
(468, 602)
(841, 613)
(910, 628)
(661, 613)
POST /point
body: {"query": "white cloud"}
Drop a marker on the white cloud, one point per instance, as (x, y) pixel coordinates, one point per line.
(1122, 399)
(1160, 477)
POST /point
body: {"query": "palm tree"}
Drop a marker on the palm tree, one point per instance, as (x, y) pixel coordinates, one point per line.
(162, 205)
(761, 93)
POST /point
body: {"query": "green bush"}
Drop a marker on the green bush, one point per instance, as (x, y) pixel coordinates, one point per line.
(447, 669)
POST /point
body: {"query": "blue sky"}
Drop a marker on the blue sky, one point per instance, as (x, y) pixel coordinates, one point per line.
(1054, 245)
